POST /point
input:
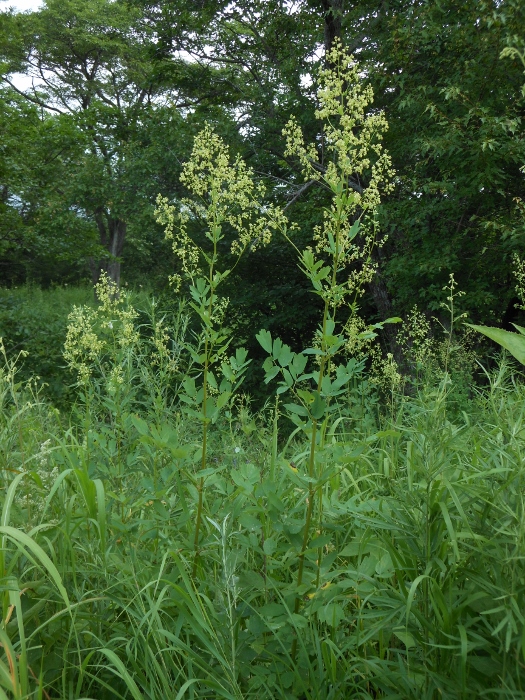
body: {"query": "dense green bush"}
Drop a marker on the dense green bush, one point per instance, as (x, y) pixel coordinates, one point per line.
(34, 321)
(414, 589)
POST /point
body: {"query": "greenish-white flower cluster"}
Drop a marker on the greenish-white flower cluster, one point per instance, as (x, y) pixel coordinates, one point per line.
(226, 194)
(350, 161)
(95, 334)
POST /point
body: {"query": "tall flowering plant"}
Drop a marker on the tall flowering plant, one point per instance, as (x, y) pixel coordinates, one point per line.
(349, 161)
(225, 203)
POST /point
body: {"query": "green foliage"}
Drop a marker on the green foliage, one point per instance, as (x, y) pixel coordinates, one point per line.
(456, 139)
(107, 105)
(42, 237)
(344, 242)
(225, 195)
(513, 342)
(161, 540)
(418, 593)
(34, 321)
(456, 145)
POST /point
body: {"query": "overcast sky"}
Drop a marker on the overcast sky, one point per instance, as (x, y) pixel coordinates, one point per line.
(21, 81)
(20, 5)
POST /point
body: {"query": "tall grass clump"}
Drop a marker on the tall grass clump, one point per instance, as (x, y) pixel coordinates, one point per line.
(168, 543)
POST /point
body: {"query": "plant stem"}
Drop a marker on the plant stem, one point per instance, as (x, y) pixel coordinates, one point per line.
(311, 474)
(207, 329)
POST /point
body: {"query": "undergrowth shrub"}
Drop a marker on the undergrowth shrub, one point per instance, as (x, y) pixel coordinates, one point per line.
(421, 583)
(35, 321)
(433, 348)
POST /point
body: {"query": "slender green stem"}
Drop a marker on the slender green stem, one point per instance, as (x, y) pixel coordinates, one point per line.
(329, 311)
(207, 348)
(311, 474)
(275, 437)
(322, 437)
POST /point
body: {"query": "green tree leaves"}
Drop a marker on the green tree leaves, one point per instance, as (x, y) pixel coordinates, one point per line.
(513, 342)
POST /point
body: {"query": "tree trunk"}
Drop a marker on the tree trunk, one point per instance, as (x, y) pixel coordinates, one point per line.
(112, 233)
(383, 304)
(333, 13)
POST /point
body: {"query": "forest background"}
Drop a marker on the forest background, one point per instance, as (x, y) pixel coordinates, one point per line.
(100, 102)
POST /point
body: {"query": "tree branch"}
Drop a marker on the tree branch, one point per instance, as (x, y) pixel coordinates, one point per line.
(300, 192)
(34, 100)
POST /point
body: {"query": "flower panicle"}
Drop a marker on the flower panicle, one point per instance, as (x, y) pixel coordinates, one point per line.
(225, 193)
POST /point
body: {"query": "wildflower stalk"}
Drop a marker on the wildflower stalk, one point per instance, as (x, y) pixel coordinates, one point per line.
(329, 312)
(311, 468)
(200, 486)
(228, 201)
(339, 266)
(9, 373)
(98, 348)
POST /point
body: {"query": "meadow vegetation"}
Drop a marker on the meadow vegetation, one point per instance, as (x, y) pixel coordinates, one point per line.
(361, 535)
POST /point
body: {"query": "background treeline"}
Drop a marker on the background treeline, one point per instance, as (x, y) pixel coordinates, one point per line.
(114, 92)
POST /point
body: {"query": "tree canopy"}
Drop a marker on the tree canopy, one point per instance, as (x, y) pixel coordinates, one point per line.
(113, 93)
